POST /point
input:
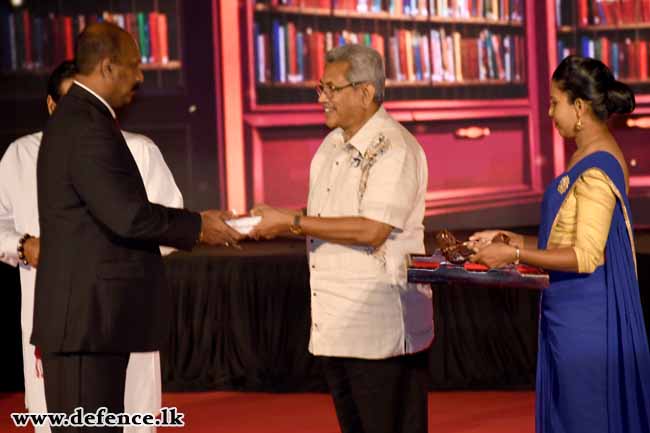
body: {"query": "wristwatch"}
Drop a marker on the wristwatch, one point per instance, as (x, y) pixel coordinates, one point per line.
(295, 226)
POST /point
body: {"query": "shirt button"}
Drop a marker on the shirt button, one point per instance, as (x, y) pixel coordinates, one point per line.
(337, 163)
(313, 294)
(313, 266)
(311, 241)
(328, 190)
(319, 214)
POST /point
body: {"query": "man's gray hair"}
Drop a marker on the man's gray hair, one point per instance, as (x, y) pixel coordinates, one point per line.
(366, 65)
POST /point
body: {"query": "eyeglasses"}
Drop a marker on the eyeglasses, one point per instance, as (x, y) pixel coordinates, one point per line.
(329, 89)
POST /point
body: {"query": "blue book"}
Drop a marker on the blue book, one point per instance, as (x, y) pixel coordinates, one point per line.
(256, 55)
(417, 58)
(491, 61)
(614, 60)
(601, 13)
(38, 42)
(300, 55)
(376, 6)
(277, 47)
(560, 51)
(283, 53)
(584, 46)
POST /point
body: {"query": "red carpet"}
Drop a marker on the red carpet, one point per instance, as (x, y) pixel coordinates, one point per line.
(232, 412)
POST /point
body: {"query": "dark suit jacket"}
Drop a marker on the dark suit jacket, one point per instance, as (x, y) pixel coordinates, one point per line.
(100, 285)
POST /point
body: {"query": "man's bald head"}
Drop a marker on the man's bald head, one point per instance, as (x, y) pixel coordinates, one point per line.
(108, 61)
(100, 41)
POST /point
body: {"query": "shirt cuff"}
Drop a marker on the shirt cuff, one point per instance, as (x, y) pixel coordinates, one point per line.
(9, 248)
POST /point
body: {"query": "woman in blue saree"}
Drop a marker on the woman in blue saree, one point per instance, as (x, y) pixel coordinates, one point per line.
(593, 365)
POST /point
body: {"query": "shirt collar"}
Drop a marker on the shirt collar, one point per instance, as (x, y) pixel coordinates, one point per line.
(86, 88)
(361, 140)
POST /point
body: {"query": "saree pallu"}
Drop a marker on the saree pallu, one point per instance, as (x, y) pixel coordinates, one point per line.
(593, 365)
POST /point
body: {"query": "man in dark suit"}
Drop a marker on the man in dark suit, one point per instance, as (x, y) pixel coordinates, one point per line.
(100, 290)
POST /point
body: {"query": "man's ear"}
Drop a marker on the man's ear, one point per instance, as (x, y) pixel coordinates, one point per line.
(369, 93)
(106, 68)
(51, 105)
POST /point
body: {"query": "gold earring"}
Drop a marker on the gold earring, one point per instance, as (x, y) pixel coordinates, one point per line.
(579, 125)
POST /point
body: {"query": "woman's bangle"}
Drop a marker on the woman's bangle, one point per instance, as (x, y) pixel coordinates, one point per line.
(21, 248)
(517, 255)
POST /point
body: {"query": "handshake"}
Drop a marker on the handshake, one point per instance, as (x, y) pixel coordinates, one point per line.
(225, 228)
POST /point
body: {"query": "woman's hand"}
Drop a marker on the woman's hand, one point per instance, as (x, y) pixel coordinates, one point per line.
(482, 239)
(496, 255)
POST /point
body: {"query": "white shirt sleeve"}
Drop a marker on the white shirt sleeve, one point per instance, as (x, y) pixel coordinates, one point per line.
(156, 176)
(391, 188)
(9, 237)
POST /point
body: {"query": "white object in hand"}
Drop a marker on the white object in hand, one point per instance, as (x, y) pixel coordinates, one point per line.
(244, 225)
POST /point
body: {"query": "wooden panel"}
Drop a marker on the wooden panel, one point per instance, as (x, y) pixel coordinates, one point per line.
(499, 159)
(464, 173)
(281, 159)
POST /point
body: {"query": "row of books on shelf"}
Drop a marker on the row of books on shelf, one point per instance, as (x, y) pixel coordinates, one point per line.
(292, 55)
(40, 42)
(490, 9)
(627, 58)
(602, 12)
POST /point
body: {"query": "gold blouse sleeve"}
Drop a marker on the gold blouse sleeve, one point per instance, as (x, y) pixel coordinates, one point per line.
(595, 203)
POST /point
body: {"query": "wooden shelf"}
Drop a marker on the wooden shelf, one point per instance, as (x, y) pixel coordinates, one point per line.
(566, 29)
(385, 16)
(615, 27)
(293, 10)
(171, 66)
(398, 84)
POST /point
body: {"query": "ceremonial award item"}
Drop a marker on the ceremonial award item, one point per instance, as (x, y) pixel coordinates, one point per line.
(449, 265)
(244, 225)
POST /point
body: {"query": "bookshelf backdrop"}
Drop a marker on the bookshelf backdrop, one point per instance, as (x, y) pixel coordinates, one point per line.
(39, 35)
(618, 33)
(177, 104)
(458, 77)
(432, 49)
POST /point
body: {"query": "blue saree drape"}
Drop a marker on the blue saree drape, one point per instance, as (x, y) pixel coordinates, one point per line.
(593, 366)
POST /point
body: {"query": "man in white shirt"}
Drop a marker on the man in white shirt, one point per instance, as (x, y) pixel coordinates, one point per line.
(19, 215)
(365, 213)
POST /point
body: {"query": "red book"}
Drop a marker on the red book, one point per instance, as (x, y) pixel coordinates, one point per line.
(27, 28)
(632, 59)
(69, 38)
(628, 11)
(605, 51)
(520, 65)
(583, 17)
(643, 60)
(163, 38)
(320, 54)
(377, 42)
(645, 6)
(154, 54)
(292, 63)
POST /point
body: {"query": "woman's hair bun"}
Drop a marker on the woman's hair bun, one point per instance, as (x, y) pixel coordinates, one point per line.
(620, 98)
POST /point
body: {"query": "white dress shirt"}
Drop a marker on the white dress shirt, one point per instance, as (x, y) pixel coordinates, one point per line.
(19, 215)
(361, 304)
